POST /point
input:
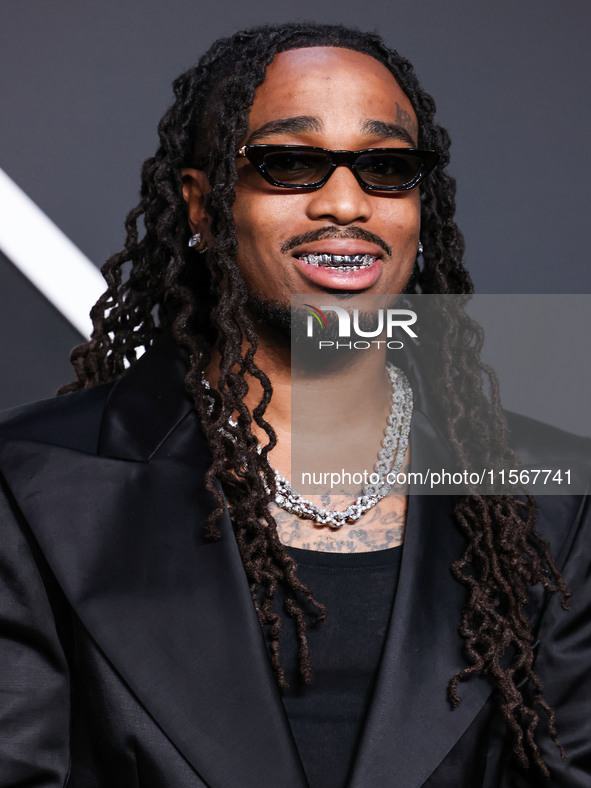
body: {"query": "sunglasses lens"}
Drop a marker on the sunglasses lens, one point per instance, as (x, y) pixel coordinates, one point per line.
(389, 170)
(297, 167)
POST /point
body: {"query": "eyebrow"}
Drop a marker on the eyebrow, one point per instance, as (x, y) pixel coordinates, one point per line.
(392, 131)
(295, 125)
(308, 123)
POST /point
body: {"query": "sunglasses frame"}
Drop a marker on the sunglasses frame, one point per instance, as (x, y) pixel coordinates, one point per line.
(256, 156)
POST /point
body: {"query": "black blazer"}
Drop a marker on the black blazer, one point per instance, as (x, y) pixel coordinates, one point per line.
(131, 651)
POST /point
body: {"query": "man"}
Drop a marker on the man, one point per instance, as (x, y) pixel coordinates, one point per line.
(157, 629)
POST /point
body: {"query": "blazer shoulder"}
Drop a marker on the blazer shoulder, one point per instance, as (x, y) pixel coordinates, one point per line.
(540, 445)
(71, 420)
(534, 440)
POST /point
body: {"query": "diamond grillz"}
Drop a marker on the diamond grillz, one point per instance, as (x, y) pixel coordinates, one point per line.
(340, 262)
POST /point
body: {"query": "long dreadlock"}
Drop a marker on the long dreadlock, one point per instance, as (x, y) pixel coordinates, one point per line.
(153, 285)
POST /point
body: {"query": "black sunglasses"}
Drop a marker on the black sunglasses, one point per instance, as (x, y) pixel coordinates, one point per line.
(376, 169)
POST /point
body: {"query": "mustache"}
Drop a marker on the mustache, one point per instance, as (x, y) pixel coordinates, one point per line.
(356, 233)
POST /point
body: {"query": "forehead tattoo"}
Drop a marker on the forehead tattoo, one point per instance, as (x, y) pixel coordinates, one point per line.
(404, 119)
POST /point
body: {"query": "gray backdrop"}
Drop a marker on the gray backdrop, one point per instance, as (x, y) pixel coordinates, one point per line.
(84, 83)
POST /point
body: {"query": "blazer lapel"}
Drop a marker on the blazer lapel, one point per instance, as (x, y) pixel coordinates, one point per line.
(171, 612)
(411, 726)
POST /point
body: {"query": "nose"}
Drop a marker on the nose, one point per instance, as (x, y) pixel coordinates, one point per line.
(341, 200)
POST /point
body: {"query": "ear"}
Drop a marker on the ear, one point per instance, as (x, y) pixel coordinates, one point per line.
(195, 187)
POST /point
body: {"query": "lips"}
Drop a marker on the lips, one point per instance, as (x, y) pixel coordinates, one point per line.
(340, 264)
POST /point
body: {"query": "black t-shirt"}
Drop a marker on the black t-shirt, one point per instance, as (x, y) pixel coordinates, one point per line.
(327, 716)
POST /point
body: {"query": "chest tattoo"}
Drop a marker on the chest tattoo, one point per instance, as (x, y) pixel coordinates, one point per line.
(378, 529)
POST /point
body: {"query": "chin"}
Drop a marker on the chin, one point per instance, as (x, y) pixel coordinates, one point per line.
(280, 317)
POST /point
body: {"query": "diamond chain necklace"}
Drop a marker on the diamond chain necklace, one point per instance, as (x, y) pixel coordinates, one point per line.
(390, 461)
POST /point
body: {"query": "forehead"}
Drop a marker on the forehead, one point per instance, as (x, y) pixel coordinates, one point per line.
(328, 82)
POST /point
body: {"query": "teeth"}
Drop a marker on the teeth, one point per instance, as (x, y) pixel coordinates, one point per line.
(340, 262)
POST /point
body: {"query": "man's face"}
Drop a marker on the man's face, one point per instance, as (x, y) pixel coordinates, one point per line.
(341, 100)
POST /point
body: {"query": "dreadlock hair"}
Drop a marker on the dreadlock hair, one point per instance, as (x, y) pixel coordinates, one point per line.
(152, 285)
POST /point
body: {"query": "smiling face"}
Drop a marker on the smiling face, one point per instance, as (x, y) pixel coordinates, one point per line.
(341, 100)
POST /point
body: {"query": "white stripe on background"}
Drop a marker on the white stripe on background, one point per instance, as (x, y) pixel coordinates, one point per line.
(47, 257)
